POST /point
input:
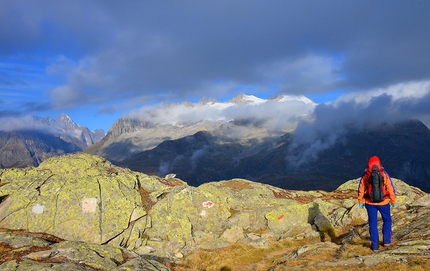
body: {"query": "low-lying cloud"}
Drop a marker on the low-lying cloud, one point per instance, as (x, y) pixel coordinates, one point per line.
(317, 127)
(266, 114)
(24, 123)
(330, 122)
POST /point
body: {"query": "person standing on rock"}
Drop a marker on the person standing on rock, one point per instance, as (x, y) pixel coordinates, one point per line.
(376, 191)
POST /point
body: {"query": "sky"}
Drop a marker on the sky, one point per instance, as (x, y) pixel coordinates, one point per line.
(98, 60)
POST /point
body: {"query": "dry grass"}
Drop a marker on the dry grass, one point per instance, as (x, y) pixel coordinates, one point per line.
(246, 258)
(237, 257)
(380, 267)
(237, 184)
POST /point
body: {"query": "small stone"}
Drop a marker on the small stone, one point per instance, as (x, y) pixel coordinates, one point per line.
(179, 255)
(253, 236)
(144, 250)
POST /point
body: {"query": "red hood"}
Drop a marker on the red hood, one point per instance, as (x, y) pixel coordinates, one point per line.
(374, 160)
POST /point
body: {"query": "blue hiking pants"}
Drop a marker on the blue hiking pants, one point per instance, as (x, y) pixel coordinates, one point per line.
(372, 212)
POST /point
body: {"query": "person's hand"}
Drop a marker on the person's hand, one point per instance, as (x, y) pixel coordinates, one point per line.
(361, 205)
(393, 205)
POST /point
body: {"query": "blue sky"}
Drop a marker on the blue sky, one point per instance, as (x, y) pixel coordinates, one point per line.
(98, 60)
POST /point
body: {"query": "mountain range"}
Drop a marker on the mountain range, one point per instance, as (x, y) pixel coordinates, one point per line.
(245, 119)
(246, 137)
(247, 147)
(34, 139)
(202, 157)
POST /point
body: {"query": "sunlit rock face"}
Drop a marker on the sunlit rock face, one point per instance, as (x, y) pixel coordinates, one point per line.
(77, 197)
(84, 198)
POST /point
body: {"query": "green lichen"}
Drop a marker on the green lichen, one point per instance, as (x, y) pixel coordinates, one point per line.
(288, 216)
(76, 197)
(97, 256)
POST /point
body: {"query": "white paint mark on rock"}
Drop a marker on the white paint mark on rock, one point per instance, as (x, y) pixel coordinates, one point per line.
(38, 208)
(203, 213)
(89, 205)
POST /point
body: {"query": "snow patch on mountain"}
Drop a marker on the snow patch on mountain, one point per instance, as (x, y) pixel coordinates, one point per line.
(277, 113)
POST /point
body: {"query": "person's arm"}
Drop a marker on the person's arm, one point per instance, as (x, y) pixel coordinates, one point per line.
(361, 189)
(390, 187)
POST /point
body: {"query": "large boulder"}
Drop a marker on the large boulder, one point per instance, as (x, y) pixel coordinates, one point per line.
(217, 214)
(77, 197)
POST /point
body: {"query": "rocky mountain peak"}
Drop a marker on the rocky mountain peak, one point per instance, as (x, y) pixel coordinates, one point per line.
(207, 100)
(125, 125)
(33, 139)
(66, 122)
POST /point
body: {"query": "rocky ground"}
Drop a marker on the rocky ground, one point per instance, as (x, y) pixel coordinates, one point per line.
(79, 212)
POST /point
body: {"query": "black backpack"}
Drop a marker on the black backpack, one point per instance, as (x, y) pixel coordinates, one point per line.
(376, 188)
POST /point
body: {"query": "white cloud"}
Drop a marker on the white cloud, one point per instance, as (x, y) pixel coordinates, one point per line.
(24, 123)
(412, 90)
(272, 115)
(197, 154)
(330, 122)
(166, 167)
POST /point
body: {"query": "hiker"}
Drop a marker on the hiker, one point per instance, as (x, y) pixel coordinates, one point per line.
(376, 191)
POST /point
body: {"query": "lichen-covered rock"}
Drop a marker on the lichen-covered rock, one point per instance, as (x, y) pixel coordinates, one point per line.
(22, 240)
(78, 197)
(233, 234)
(84, 198)
(96, 256)
(33, 252)
(30, 265)
(217, 214)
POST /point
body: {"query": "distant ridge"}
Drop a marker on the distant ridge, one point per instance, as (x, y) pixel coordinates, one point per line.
(63, 124)
(30, 140)
(253, 138)
(202, 157)
(29, 148)
(239, 118)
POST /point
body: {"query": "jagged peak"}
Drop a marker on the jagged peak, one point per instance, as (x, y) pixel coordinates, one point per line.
(66, 120)
(206, 100)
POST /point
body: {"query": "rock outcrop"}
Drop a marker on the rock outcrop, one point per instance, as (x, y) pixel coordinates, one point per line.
(24, 251)
(84, 199)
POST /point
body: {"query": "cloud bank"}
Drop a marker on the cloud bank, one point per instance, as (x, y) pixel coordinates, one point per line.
(273, 115)
(355, 111)
(25, 123)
